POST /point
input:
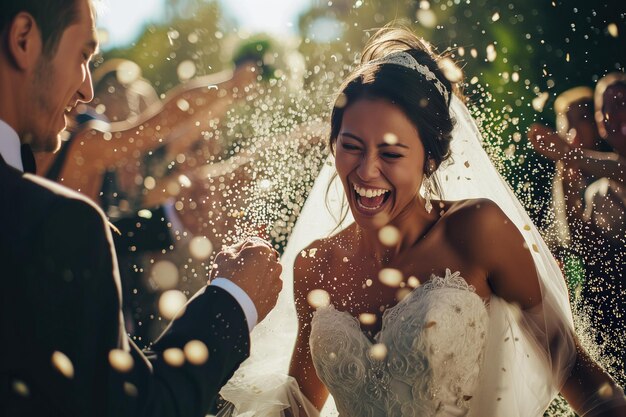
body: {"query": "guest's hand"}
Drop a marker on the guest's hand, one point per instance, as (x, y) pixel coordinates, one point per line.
(547, 142)
(253, 265)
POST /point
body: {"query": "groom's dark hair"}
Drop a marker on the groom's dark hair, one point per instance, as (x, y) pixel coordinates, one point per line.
(52, 17)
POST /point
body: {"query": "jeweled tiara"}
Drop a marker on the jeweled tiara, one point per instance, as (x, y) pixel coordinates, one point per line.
(404, 59)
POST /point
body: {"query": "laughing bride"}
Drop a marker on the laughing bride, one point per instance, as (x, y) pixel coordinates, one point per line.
(441, 297)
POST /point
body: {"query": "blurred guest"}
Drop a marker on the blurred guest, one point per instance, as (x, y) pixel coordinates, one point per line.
(594, 203)
(610, 102)
(604, 217)
(576, 129)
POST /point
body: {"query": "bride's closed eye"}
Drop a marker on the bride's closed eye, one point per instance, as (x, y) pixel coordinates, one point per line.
(349, 147)
(392, 155)
(387, 155)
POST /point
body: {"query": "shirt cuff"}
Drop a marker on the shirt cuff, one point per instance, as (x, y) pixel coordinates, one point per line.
(244, 300)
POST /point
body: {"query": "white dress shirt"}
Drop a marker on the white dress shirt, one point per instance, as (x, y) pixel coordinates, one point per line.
(10, 146)
(242, 298)
(12, 155)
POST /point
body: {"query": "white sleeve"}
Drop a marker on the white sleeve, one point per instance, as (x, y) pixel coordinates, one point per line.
(242, 298)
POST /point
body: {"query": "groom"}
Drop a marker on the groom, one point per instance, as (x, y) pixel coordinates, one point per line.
(63, 347)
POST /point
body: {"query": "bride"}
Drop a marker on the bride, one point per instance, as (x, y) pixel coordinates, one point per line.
(440, 303)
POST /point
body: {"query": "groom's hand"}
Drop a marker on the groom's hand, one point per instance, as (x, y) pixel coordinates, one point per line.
(253, 265)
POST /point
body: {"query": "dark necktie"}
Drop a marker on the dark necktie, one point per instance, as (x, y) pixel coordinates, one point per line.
(28, 159)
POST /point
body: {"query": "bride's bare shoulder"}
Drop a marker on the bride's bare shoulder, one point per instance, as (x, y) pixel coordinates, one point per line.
(467, 218)
(481, 232)
(477, 223)
(320, 255)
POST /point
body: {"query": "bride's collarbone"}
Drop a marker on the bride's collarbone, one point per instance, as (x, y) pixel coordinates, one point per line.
(358, 274)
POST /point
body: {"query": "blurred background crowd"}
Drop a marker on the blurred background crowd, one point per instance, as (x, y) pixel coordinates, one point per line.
(205, 129)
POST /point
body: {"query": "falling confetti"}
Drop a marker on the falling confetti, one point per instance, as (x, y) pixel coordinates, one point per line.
(451, 70)
(200, 248)
(196, 352)
(491, 53)
(390, 277)
(165, 274)
(174, 357)
(184, 181)
(413, 282)
(367, 319)
(149, 183)
(183, 104)
(186, 70)
(378, 352)
(20, 388)
(318, 298)
(341, 101)
(130, 389)
(389, 235)
(402, 293)
(390, 138)
(120, 360)
(539, 102)
(63, 364)
(128, 72)
(427, 18)
(171, 304)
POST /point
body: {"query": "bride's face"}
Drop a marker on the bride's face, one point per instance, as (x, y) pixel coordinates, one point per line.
(380, 160)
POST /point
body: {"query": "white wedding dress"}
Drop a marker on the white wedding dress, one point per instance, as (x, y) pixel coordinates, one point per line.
(433, 342)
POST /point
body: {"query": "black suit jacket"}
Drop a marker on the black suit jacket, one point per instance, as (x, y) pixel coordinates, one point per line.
(138, 235)
(61, 293)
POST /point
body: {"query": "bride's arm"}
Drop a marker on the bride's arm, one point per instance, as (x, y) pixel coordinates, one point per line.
(500, 249)
(591, 391)
(301, 366)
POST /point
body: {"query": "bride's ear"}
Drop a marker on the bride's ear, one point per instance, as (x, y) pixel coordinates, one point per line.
(430, 165)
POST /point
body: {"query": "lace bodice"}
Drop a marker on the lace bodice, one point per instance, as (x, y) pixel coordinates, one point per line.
(427, 357)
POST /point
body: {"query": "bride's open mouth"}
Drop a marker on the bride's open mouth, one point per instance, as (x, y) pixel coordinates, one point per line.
(370, 200)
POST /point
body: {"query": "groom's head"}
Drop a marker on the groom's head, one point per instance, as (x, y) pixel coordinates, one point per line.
(45, 50)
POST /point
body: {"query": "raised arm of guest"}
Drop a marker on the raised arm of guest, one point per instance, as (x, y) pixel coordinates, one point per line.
(594, 163)
(187, 111)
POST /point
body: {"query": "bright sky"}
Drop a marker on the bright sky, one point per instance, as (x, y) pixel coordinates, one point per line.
(273, 16)
(123, 20)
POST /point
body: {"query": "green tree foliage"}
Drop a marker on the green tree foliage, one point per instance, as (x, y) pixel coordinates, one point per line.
(193, 33)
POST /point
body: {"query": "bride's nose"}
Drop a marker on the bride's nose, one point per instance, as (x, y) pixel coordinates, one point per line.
(368, 168)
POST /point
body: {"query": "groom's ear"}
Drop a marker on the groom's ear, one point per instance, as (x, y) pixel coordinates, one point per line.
(23, 42)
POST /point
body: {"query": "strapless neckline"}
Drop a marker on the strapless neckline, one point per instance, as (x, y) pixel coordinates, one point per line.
(424, 361)
(449, 280)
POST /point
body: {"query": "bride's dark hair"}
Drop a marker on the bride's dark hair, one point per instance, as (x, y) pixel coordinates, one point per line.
(418, 97)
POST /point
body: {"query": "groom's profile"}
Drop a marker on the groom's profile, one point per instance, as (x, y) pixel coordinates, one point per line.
(64, 350)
